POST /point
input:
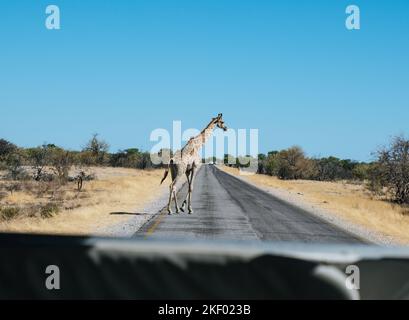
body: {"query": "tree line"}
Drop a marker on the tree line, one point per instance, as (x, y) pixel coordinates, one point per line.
(387, 175)
(14, 159)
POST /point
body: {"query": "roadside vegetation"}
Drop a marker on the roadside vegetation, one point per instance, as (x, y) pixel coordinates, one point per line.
(374, 195)
(44, 181)
(386, 177)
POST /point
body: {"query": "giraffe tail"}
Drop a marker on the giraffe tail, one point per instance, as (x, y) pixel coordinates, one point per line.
(167, 171)
(166, 174)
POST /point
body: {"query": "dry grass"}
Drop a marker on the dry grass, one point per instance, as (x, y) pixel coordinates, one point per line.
(347, 200)
(113, 190)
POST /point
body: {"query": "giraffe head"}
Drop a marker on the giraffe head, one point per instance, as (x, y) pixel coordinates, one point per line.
(219, 122)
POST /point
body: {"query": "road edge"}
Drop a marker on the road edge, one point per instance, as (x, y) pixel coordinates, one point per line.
(370, 236)
(128, 228)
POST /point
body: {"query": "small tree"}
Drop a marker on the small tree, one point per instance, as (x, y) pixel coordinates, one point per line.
(361, 171)
(6, 148)
(291, 164)
(14, 162)
(145, 161)
(393, 168)
(61, 161)
(97, 149)
(271, 165)
(39, 158)
(229, 160)
(261, 163)
(376, 178)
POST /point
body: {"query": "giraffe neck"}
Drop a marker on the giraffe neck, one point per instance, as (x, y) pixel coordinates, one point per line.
(207, 132)
(197, 142)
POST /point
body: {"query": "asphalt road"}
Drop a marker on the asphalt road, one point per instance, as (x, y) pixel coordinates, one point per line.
(226, 208)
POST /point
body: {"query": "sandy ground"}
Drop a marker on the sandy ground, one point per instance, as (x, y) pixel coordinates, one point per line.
(129, 227)
(348, 205)
(116, 196)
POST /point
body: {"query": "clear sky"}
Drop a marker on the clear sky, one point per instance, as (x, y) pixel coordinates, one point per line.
(123, 68)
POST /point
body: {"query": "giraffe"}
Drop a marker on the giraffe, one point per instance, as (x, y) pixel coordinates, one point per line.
(186, 162)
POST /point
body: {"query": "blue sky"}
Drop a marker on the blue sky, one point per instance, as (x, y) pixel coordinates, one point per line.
(123, 68)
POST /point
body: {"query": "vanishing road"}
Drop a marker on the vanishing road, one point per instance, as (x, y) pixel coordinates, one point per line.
(230, 209)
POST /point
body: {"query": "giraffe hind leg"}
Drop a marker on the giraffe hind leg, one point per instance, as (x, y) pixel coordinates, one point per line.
(192, 176)
(170, 199)
(172, 190)
(185, 201)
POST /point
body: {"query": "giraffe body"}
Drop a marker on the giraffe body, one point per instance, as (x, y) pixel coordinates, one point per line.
(187, 161)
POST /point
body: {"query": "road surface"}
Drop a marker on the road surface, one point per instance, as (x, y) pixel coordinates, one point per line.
(227, 208)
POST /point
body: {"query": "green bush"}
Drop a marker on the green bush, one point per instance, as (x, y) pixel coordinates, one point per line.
(6, 148)
(271, 165)
(361, 171)
(49, 210)
(9, 213)
(291, 164)
(376, 178)
(14, 162)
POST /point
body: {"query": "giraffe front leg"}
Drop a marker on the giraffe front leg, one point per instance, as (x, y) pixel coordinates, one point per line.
(170, 199)
(176, 200)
